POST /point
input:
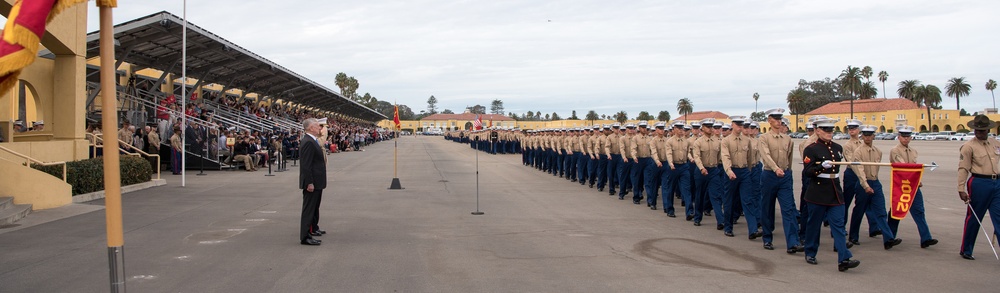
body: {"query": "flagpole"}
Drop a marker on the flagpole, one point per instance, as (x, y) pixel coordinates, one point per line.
(112, 167)
(395, 150)
(184, 96)
(477, 212)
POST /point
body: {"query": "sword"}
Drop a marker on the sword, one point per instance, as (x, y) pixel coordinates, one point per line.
(983, 229)
(932, 165)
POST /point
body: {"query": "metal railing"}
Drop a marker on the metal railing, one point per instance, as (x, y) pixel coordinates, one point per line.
(33, 160)
(138, 152)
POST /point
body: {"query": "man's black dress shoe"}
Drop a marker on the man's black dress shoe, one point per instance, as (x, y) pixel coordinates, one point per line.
(791, 250)
(876, 233)
(853, 243)
(321, 231)
(600, 189)
(697, 223)
(891, 243)
(311, 242)
(688, 217)
(811, 260)
(848, 264)
(768, 246)
(315, 234)
(621, 197)
(635, 201)
(928, 243)
(672, 215)
(850, 244)
(719, 227)
(729, 234)
(754, 235)
(967, 256)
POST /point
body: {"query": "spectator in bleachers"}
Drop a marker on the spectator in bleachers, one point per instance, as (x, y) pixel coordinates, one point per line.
(243, 153)
(38, 125)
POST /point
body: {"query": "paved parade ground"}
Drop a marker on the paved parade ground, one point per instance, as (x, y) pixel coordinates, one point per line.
(237, 232)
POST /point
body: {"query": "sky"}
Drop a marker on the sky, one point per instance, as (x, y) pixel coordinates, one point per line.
(560, 55)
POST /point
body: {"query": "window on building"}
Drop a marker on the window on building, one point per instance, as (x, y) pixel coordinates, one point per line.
(921, 115)
(945, 116)
(883, 117)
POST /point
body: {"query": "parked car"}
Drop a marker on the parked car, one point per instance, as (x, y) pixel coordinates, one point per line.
(941, 136)
(889, 136)
(841, 135)
(880, 135)
(918, 136)
(958, 136)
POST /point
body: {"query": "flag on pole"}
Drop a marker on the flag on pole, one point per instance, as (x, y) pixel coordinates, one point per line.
(491, 123)
(477, 124)
(22, 34)
(395, 118)
(905, 181)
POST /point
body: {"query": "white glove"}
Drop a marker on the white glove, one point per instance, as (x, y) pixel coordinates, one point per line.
(827, 164)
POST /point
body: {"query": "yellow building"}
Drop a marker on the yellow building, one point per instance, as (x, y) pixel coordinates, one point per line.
(887, 114)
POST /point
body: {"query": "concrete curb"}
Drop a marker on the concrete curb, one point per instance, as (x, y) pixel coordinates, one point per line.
(81, 198)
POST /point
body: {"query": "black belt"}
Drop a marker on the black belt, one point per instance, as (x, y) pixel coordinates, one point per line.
(987, 176)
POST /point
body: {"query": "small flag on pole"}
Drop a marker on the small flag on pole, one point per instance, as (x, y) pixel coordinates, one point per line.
(395, 118)
(905, 181)
(477, 124)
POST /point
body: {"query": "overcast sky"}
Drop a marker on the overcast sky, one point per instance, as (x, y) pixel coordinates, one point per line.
(559, 56)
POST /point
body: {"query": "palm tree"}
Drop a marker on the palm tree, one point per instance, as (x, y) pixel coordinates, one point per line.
(684, 107)
(908, 89)
(868, 91)
(883, 76)
(990, 86)
(850, 83)
(866, 72)
(930, 95)
(621, 116)
(592, 115)
(755, 97)
(957, 87)
(341, 81)
(796, 100)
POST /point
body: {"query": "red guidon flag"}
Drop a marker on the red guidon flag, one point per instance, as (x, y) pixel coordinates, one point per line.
(395, 118)
(905, 181)
(22, 34)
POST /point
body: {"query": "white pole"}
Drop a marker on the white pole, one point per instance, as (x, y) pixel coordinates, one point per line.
(184, 97)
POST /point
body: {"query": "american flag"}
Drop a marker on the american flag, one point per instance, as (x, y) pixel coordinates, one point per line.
(477, 124)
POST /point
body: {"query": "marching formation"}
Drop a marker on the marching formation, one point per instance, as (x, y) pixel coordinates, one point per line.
(733, 171)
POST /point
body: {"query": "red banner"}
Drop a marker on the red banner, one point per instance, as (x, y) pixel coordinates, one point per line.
(905, 181)
(22, 33)
(395, 117)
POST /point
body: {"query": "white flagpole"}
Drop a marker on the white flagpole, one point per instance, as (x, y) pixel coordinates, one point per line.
(184, 97)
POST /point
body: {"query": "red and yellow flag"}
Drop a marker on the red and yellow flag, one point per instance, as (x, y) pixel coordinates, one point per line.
(395, 118)
(905, 181)
(22, 34)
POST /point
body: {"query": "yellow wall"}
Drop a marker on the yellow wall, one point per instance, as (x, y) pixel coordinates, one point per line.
(944, 120)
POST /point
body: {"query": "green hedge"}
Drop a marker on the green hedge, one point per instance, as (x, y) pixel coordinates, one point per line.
(87, 176)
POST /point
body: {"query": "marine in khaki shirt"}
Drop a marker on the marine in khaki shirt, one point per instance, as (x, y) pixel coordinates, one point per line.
(977, 156)
(639, 147)
(735, 152)
(624, 142)
(678, 148)
(612, 144)
(706, 151)
(776, 151)
(866, 153)
(658, 148)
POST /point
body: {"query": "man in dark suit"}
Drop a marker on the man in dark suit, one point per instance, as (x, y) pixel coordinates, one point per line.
(312, 180)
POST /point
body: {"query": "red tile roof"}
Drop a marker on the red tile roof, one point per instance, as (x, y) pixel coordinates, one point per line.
(468, 117)
(865, 106)
(702, 115)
